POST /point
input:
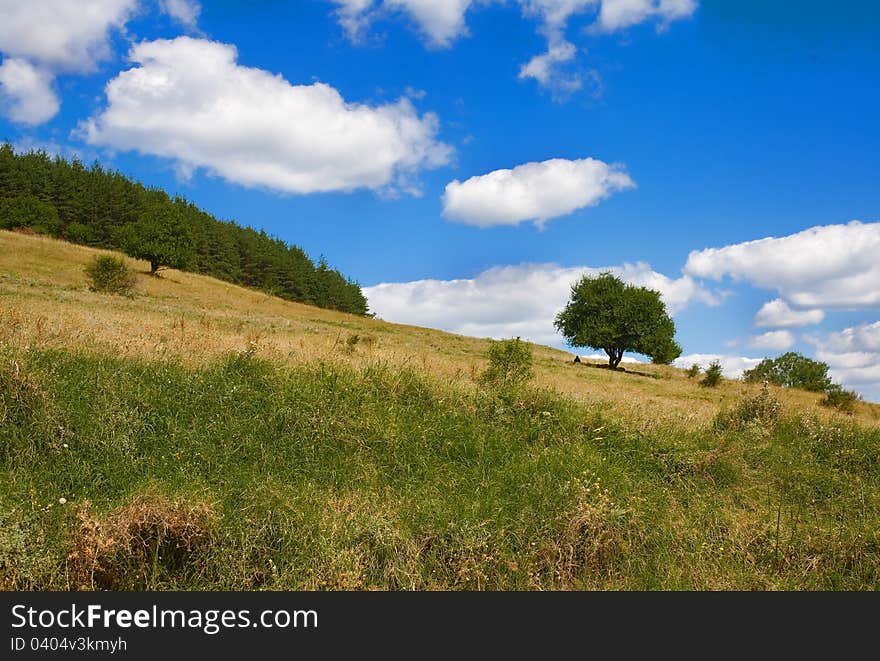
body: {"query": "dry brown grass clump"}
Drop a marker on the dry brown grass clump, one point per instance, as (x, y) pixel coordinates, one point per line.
(143, 545)
(594, 538)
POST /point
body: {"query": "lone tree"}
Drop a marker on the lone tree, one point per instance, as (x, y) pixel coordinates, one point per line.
(159, 236)
(606, 313)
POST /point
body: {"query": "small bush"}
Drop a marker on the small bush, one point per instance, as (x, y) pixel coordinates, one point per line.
(510, 364)
(354, 340)
(763, 409)
(110, 275)
(840, 399)
(713, 375)
(693, 371)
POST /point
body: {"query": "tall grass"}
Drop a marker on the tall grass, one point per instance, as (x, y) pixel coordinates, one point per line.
(248, 474)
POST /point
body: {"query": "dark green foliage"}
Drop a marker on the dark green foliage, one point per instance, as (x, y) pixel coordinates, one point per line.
(31, 212)
(510, 364)
(606, 313)
(712, 377)
(110, 275)
(666, 350)
(92, 206)
(693, 371)
(842, 400)
(791, 370)
(159, 236)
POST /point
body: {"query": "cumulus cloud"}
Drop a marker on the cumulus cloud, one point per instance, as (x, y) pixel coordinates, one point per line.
(853, 356)
(532, 191)
(59, 34)
(189, 100)
(772, 341)
(830, 266)
(185, 12)
(26, 93)
(440, 21)
(40, 40)
(617, 15)
(779, 314)
(731, 366)
(865, 337)
(510, 301)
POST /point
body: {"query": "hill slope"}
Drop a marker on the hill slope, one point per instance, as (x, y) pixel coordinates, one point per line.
(46, 303)
(201, 435)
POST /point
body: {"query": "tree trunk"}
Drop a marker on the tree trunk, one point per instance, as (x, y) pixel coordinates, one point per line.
(614, 357)
(154, 267)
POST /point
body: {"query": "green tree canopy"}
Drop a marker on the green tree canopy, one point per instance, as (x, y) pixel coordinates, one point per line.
(791, 370)
(159, 236)
(29, 211)
(606, 313)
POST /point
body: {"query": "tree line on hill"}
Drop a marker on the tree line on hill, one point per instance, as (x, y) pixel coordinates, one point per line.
(102, 208)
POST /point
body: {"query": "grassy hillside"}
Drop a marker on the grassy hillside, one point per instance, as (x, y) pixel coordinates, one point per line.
(201, 435)
(45, 303)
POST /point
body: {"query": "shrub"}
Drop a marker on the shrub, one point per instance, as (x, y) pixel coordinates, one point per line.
(840, 399)
(713, 375)
(110, 275)
(354, 340)
(693, 371)
(510, 364)
(762, 408)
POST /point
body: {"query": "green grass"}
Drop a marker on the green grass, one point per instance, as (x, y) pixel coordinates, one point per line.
(247, 473)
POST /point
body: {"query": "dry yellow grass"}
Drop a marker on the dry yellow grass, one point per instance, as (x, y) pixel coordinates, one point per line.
(45, 302)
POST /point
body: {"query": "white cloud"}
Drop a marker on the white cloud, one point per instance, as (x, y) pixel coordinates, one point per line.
(443, 21)
(510, 301)
(440, 21)
(772, 341)
(620, 14)
(189, 100)
(185, 12)
(778, 314)
(853, 356)
(41, 39)
(545, 68)
(731, 366)
(26, 93)
(59, 34)
(830, 266)
(532, 191)
(865, 337)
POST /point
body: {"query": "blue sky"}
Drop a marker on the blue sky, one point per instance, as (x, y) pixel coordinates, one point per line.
(465, 161)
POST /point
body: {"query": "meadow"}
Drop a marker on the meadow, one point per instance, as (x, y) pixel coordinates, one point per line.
(199, 435)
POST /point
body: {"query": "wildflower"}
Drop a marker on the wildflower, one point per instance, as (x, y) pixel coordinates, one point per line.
(62, 501)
